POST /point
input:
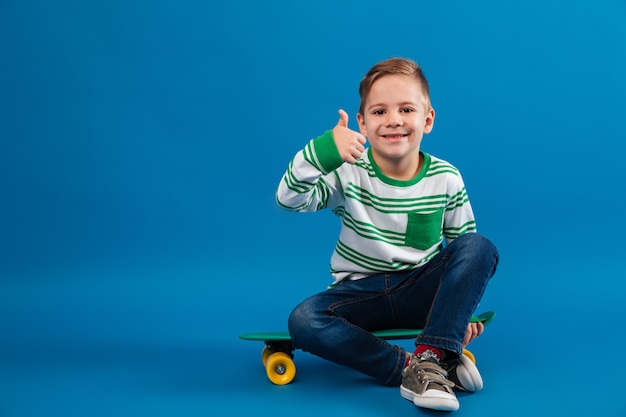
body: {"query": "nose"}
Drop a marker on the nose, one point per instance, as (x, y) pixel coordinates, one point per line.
(393, 119)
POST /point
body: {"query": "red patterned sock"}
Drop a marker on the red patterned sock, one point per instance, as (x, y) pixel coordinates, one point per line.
(423, 348)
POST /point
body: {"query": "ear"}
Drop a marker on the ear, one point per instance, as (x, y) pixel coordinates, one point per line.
(361, 120)
(430, 121)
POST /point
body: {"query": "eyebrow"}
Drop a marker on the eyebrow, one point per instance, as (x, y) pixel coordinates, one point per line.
(403, 104)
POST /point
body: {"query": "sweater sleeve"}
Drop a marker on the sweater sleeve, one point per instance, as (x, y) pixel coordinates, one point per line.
(458, 216)
(310, 183)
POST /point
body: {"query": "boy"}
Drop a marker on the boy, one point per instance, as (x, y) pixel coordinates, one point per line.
(391, 266)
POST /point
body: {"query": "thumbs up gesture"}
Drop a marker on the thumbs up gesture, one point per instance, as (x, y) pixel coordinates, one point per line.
(349, 143)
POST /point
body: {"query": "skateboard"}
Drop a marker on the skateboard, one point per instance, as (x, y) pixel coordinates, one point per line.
(277, 354)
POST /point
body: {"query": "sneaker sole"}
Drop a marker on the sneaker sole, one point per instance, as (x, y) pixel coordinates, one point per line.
(432, 399)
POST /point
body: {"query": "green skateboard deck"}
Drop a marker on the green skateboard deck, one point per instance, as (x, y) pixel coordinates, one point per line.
(277, 355)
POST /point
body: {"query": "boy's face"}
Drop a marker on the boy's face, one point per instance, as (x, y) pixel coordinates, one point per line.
(395, 117)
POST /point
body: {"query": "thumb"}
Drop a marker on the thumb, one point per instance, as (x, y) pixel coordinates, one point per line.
(343, 118)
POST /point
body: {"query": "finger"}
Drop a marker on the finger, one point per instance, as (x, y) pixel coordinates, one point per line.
(481, 328)
(343, 118)
(357, 149)
(466, 338)
(473, 331)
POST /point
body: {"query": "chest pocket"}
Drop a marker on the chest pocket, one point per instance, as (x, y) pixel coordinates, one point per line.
(424, 230)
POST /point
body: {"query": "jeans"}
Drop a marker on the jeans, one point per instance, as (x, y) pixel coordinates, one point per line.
(439, 297)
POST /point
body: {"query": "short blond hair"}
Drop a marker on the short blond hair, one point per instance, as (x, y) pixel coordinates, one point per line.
(393, 66)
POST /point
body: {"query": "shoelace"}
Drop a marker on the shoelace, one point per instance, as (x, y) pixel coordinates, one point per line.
(428, 372)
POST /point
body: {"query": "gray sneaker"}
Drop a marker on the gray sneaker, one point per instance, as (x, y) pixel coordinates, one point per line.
(426, 384)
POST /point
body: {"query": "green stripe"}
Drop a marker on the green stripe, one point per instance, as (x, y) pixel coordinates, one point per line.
(366, 166)
(367, 262)
(395, 205)
(369, 231)
(376, 265)
(296, 208)
(440, 167)
(309, 155)
(457, 200)
(294, 184)
(310, 191)
(454, 232)
(324, 192)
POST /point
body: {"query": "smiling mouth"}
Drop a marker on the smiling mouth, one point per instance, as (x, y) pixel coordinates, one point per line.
(395, 137)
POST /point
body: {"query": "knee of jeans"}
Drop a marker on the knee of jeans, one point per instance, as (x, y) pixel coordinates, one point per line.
(300, 322)
(479, 252)
(486, 251)
(293, 323)
(479, 245)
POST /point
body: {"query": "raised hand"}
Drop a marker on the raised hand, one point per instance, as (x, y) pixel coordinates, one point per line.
(349, 143)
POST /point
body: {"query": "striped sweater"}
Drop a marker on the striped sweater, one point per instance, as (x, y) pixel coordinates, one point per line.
(386, 224)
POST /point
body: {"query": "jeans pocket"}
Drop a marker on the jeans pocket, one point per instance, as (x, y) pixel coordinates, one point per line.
(423, 230)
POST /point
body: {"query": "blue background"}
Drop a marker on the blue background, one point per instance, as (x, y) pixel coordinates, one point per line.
(141, 145)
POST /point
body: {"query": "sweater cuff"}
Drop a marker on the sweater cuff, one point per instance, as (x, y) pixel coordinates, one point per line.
(327, 152)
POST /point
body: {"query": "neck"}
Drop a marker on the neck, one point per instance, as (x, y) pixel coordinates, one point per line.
(403, 169)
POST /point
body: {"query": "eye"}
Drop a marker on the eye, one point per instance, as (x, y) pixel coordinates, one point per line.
(407, 110)
(378, 112)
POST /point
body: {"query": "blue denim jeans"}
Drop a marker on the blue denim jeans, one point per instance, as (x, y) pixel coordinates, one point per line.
(439, 297)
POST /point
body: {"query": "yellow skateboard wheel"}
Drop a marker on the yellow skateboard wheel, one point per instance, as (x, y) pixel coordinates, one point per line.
(280, 368)
(469, 355)
(266, 353)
